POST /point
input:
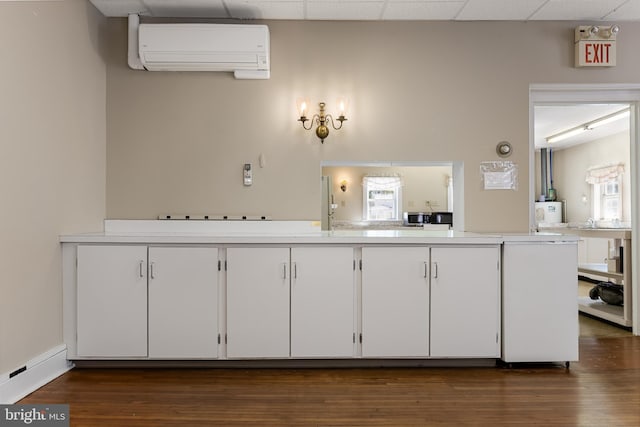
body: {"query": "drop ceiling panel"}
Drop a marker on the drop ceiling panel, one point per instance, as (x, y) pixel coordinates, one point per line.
(491, 10)
(332, 10)
(465, 10)
(627, 12)
(576, 10)
(266, 9)
(401, 10)
(197, 8)
(120, 7)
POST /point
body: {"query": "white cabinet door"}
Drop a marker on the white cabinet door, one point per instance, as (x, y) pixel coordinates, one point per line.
(395, 302)
(258, 302)
(112, 301)
(465, 310)
(540, 306)
(183, 302)
(322, 302)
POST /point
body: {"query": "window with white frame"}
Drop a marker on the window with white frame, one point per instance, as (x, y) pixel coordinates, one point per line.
(606, 184)
(382, 198)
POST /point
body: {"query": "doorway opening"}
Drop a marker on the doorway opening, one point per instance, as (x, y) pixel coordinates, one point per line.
(592, 180)
(582, 161)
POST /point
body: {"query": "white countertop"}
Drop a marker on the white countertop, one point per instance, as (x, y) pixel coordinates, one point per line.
(607, 233)
(284, 232)
(318, 237)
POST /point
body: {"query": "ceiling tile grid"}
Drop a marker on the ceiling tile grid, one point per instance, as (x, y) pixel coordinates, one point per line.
(498, 10)
(120, 7)
(577, 10)
(460, 10)
(422, 10)
(252, 9)
(344, 10)
(197, 8)
(629, 11)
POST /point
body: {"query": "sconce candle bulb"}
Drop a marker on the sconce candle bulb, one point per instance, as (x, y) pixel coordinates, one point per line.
(303, 106)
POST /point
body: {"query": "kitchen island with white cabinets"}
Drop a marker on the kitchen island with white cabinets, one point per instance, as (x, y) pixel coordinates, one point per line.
(207, 291)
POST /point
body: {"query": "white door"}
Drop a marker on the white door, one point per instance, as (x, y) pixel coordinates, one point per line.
(183, 302)
(322, 302)
(258, 302)
(465, 302)
(112, 301)
(395, 302)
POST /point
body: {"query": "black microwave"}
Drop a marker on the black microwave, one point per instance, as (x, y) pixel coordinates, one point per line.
(441, 218)
(415, 218)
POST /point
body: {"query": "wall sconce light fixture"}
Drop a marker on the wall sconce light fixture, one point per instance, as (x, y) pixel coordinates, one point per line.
(343, 185)
(322, 120)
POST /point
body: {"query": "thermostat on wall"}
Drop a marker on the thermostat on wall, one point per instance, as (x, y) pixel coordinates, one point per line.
(248, 175)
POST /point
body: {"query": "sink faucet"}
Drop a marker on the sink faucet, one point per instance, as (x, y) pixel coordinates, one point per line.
(591, 223)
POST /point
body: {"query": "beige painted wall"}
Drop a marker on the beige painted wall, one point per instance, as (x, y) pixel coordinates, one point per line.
(420, 185)
(52, 166)
(420, 91)
(570, 168)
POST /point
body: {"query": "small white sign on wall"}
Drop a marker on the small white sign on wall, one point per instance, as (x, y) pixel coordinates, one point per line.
(499, 175)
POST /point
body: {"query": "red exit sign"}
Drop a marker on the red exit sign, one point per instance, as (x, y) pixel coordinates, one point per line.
(595, 53)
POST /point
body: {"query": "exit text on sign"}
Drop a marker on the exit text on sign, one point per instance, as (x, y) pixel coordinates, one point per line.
(595, 53)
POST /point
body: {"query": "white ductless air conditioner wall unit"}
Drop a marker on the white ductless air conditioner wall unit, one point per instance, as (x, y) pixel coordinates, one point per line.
(241, 49)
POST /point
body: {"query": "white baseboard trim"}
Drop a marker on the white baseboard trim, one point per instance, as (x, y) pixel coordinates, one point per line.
(35, 373)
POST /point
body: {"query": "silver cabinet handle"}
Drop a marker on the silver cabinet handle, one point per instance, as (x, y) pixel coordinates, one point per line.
(295, 270)
(153, 276)
(435, 270)
(425, 269)
(141, 268)
(284, 270)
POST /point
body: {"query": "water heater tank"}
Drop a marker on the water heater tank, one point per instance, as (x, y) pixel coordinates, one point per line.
(548, 212)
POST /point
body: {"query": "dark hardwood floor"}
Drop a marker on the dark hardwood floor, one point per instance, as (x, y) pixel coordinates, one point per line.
(602, 389)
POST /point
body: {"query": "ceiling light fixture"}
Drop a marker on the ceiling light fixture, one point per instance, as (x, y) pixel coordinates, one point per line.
(321, 120)
(608, 119)
(588, 126)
